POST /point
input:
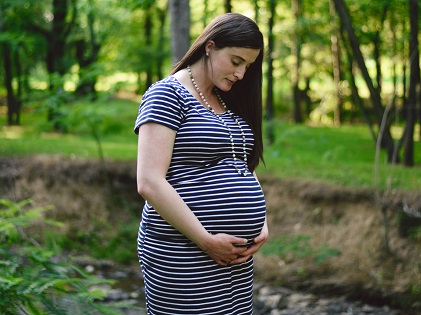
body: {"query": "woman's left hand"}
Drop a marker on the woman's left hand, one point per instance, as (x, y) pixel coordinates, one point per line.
(257, 243)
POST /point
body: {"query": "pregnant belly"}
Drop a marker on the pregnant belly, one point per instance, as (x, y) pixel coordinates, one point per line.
(238, 209)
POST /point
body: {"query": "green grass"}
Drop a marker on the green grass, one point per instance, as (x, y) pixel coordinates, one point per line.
(340, 155)
(113, 121)
(69, 145)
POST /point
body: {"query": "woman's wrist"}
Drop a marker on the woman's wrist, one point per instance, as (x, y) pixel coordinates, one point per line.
(205, 242)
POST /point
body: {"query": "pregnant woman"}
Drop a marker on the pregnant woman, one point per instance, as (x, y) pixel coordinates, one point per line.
(199, 142)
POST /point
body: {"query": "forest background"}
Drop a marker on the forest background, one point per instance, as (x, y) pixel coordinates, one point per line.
(341, 87)
(327, 63)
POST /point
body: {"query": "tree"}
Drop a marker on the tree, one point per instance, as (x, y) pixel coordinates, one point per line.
(87, 53)
(336, 65)
(414, 85)
(228, 6)
(146, 41)
(13, 101)
(162, 15)
(377, 44)
(20, 52)
(148, 38)
(60, 22)
(269, 95)
(180, 28)
(296, 52)
(57, 39)
(375, 97)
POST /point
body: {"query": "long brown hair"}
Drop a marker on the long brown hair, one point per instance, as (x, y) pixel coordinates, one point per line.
(245, 97)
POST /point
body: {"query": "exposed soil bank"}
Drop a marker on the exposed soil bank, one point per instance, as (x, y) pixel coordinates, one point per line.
(85, 193)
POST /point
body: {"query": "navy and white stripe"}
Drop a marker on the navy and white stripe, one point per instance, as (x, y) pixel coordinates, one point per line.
(179, 277)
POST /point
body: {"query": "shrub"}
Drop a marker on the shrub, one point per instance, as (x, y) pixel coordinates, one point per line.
(35, 280)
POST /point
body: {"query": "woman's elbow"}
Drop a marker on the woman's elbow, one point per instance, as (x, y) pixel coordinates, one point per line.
(147, 185)
(143, 186)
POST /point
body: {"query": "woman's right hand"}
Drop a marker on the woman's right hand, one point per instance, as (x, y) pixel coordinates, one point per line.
(225, 248)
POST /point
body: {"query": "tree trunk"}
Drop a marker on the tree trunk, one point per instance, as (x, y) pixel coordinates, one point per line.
(269, 96)
(377, 48)
(414, 81)
(228, 6)
(56, 65)
(57, 42)
(387, 140)
(87, 55)
(12, 102)
(160, 60)
(148, 39)
(336, 65)
(355, 95)
(19, 88)
(8, 78)
(394, 61)
(306, 96)
(180, 28)
(296, 52)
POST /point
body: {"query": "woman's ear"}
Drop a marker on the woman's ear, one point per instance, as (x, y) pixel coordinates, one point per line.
(209, 45)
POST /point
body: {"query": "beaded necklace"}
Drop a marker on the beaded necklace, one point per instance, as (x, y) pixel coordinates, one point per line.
(221, 119)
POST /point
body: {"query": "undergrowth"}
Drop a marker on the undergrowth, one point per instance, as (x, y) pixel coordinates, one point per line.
(34, 279)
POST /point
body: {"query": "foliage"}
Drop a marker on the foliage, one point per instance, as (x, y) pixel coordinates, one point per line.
(118, 246)
(125, 58)
(35, 280)
(409, 224)
(298, 246)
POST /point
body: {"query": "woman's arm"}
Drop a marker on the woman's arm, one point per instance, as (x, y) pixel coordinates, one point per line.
(155, 147)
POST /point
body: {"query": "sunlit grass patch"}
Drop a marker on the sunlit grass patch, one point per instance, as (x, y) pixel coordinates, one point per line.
(342, 155)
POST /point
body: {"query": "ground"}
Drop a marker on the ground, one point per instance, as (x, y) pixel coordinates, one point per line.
(87, 195)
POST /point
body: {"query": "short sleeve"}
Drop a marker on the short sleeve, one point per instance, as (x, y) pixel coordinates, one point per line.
(160, 104)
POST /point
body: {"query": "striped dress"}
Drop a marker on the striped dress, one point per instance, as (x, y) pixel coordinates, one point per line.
(179, 277)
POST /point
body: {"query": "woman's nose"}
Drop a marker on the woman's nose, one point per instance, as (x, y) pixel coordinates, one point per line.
(239, 73)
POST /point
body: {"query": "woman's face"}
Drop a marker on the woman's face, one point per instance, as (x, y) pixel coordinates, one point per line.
(229, 64)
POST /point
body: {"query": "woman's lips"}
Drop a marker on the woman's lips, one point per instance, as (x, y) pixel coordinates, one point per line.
(231, 82)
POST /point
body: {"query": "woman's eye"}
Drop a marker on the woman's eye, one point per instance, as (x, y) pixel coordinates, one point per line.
(235, 63)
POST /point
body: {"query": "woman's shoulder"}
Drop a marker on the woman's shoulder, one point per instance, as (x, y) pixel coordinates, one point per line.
(169, 84)
(169, 93)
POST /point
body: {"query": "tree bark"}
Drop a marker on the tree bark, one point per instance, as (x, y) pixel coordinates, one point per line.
(12, 102)
(56, 52)
(336, 65)
(57, 39)
(296, 51)
(12, 113)
(355, 95)
(87, 54)
(160, 60)
(180, 28)
(269, 95)
(148, 39)
(414, 81)
(377, 48)
(228, 6)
